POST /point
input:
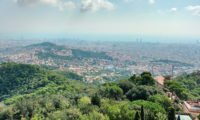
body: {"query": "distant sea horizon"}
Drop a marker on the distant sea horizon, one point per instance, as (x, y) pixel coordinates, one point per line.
(103, 38)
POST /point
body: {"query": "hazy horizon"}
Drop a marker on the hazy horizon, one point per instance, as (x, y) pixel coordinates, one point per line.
(103, 38)
(85, 19)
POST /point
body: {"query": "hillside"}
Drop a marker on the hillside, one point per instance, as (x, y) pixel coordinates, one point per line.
(18, 78)
(51, 95)
(186, 86)
(46, 45)
(51, 50)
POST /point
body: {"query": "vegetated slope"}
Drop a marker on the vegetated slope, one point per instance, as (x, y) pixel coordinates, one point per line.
(47, 46)
(64, 99)
(24, 78)
(19, 78)
(50, 49)
(71, 75)
(186, 86)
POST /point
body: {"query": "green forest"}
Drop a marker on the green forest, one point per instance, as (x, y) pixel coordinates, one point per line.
(30, 92)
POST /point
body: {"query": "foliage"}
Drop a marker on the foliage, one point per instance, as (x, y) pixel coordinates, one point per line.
(70, 75)
(34, 93)
(198, 116)
(126, 85)
(171, 114)
(145, 78)
(137, 117)
(142, 113)
(160, 116)
(84, 100)
(179, 89)
(162, 100)
(117, 110)
(94, 115)
(153, 107)
(112, 91)
(186, 86)
(141, 92)
(21, 78)
(96, 100)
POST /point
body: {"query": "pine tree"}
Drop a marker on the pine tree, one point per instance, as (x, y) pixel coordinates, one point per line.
(179, 118)
(137, 117)
(142, 113)
(171, 114)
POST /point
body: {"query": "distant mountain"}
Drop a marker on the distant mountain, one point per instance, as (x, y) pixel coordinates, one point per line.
(46, 45)
(51, 50)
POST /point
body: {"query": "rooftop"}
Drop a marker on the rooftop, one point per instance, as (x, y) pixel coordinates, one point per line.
(160, 80)
(184, 117)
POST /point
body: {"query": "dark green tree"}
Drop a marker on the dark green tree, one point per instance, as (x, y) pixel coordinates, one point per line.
(179, 118)
(142, 112)
(96, 100)
(171, 114)
(147, 79)
(141, 92)
(112, 91)
(126, 85)
(132, 79)
(144, 79)
(162, 100)
(198, 116)
(137, 117)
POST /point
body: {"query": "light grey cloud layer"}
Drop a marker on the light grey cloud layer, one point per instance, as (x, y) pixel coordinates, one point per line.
(194, 9)
(60, 4)
(82, 5)
(95, 5)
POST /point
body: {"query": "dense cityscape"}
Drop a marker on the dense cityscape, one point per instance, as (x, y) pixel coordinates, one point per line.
(100, 60)
(112, 60)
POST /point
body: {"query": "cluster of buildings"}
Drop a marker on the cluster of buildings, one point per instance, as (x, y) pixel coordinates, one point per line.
(95, 69)
(192, 108)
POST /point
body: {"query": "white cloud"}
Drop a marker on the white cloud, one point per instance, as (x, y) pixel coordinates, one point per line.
(152, 1)
(167, 11)
(194, 9)
(95, 5)
(61, 5)
(83, 5)
(52, 2)
(173, 9)
(67, 5)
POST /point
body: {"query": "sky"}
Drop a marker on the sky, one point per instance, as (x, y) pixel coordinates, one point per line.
(162, 18)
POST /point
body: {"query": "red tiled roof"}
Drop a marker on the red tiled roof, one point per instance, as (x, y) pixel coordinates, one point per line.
(160, 80)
